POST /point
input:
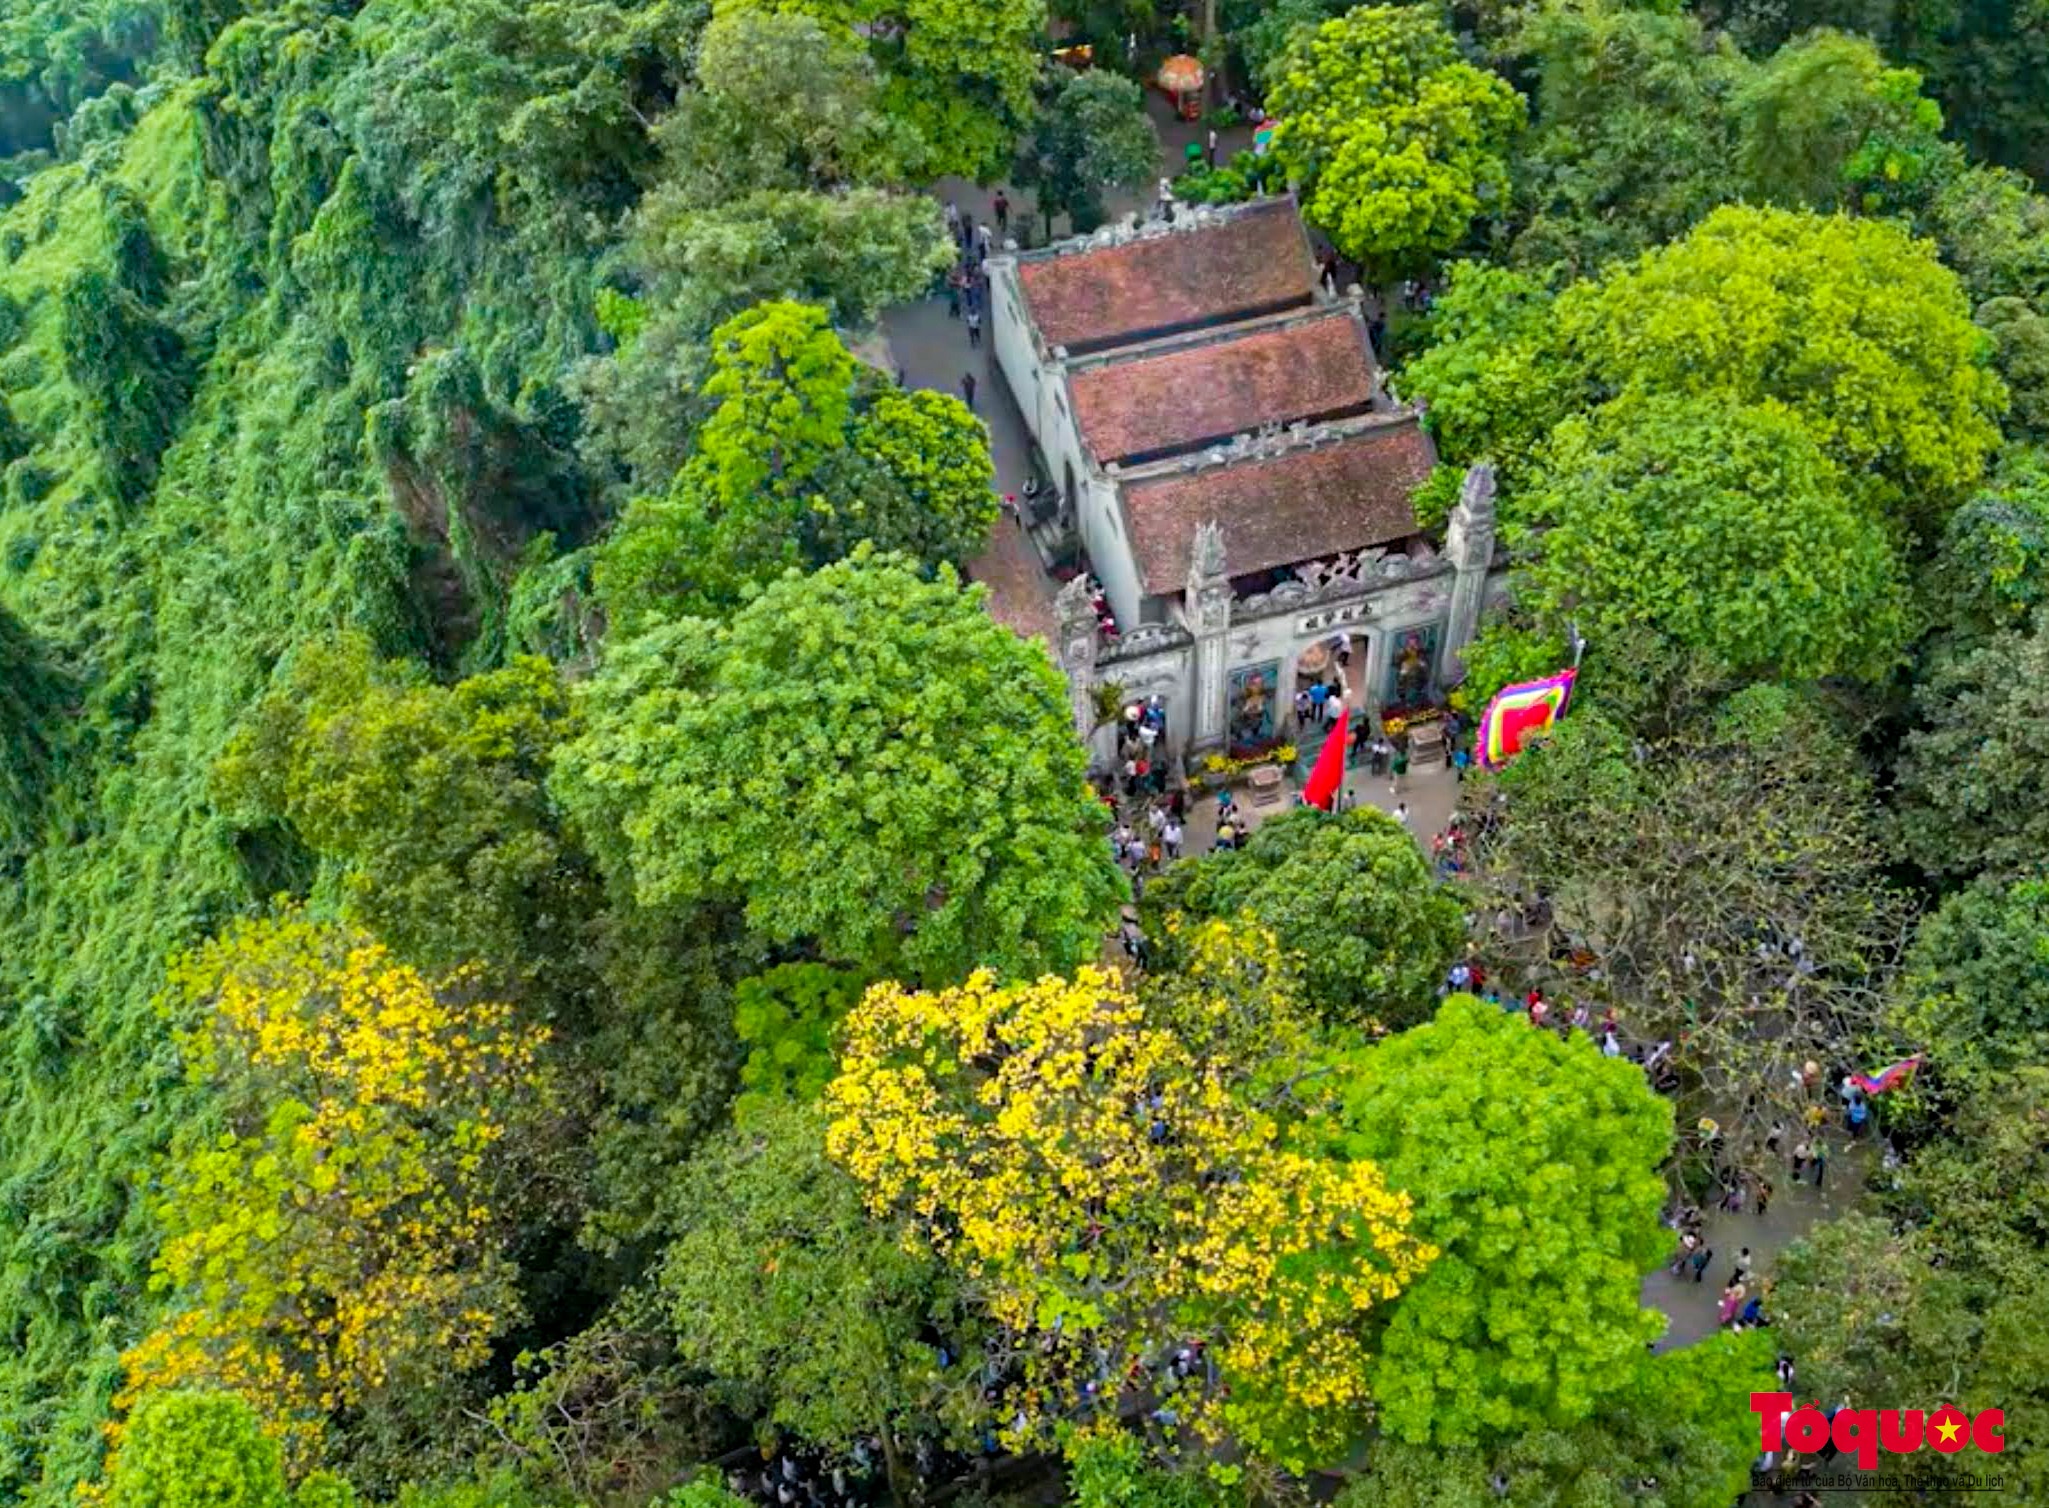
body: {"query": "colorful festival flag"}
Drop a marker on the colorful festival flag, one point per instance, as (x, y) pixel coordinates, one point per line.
(1889, 1077)
(1517, 712)
(1329, 773)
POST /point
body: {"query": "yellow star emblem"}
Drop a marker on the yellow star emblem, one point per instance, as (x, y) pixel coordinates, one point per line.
(1947, 1429)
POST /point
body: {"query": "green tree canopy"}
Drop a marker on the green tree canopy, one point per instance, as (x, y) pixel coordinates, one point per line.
(806, 452)
(1496, 375)
(1975, 991)
(32, 695)
(1259, 31)
(429, 806)
(865, 758)
(1680, 1419)
(1978, 59)
(1534, 1166)
(530, 120)
(2020, 341)
(1825, 123)
(959, 73)
(1110, 1470)
(768, 191)
(742, 128)
(806, 1312)
(1633, 136)
(1351, 895)
(131, 375)
(1092, 135)
(195, 1450)
(1992, 569)
(1721, 528)
(855, 251)
(432, 798)
(1993, 228)
(1398, 143)
(704, 1492)
(785, 1019)
(1851, 325)
(57, 56)
(1974, 772)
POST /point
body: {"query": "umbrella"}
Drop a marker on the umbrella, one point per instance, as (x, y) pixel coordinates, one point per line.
(1181, 74)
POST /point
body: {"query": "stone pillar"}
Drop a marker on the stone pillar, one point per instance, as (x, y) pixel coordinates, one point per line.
(1208, 605)
(1469, 546)
(1076, 621)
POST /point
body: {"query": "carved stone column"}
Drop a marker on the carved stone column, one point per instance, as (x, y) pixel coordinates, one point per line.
(1208, 606)
(1076, 621)
(1469, 546)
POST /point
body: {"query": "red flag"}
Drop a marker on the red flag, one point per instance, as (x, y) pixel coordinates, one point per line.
(1329, 773)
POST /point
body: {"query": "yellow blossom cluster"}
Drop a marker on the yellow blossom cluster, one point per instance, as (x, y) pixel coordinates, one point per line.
(339, 1232)
(1104, 1187)
(1232, 995)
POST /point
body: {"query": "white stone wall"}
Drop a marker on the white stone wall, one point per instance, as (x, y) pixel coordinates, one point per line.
(1038, 381)
(1010, 336)
(1102, 532)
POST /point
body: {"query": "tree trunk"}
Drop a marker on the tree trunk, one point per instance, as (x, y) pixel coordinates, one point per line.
(903, 1491)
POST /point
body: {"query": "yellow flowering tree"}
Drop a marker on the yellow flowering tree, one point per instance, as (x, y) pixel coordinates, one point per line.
(1099, 1181)
(339, 1236)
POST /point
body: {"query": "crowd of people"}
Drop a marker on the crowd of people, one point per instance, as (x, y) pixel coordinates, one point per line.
(967, 281)
(1143, 759)
(1149, 812)
(815, 1479)
(1321, 704)
(1741, 1305)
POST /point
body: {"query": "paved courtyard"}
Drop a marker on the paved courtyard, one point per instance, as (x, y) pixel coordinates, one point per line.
(1431, 796)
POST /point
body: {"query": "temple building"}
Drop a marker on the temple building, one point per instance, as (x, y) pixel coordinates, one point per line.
(1231, 472)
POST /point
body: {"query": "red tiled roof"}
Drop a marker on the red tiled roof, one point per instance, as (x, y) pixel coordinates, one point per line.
(1020, 595)
(1256, 260)
(1224, 387)
(1341, 495)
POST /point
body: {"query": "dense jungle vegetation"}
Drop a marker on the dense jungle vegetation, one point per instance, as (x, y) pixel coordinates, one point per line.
(503, 789)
